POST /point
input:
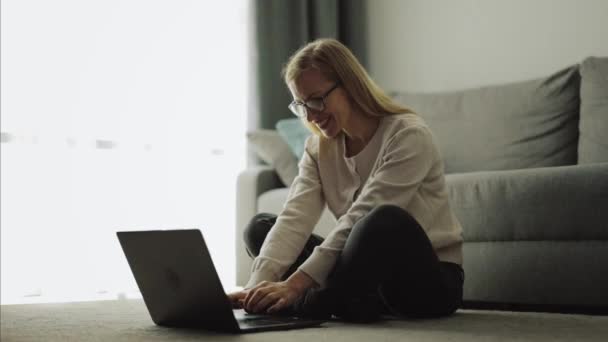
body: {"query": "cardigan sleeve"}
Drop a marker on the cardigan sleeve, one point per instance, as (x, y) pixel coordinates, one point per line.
(294, 225)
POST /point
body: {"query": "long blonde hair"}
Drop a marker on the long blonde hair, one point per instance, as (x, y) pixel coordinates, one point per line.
(337, 63)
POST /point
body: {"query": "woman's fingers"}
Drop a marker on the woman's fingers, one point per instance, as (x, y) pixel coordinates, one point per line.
(247, 298)
(255, 294)
(277, 306)
(231, 296)
(236, 299)
(264, 303)
(237, 303)
(250, 293)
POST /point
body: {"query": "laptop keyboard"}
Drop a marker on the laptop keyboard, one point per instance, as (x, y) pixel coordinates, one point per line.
(262, 321)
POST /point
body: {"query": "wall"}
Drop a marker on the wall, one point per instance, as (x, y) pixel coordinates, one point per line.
(436, 45)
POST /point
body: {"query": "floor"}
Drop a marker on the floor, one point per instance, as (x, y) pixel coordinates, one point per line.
(128, 320)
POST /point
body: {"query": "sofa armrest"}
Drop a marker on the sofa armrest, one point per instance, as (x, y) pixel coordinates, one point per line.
(251, 183)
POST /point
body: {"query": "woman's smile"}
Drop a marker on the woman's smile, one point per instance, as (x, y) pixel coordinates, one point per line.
(323, 124)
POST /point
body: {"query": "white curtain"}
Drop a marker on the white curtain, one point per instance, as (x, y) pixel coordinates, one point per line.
(116, 115)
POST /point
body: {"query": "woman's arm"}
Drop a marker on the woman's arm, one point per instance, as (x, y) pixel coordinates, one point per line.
(301, 281)
(294, 225)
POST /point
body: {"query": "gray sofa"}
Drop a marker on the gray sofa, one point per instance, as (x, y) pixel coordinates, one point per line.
(527, 169)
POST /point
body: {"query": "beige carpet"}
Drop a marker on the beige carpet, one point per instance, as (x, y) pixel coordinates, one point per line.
(128, 320)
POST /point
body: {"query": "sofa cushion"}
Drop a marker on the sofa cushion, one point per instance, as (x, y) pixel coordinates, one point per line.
(511, 126)
(541, 204)
(593, 141)
(567, 203)
(271, 148)
(295, 134)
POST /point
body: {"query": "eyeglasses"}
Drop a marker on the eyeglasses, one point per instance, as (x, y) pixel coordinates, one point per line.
(315, 103)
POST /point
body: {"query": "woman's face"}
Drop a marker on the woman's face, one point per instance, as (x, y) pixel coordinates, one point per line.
(312, 84)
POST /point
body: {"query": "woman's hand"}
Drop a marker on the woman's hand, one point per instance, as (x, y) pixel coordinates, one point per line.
(271, 297)
(237, 298)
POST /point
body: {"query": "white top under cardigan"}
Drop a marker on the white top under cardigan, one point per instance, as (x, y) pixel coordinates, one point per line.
(400, 165)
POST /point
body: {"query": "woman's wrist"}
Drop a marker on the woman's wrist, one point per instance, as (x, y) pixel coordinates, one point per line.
(301, 281)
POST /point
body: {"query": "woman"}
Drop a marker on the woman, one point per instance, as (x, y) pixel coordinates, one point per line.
(397, 246)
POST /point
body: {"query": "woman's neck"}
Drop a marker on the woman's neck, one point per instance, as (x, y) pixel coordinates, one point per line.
(360, 133)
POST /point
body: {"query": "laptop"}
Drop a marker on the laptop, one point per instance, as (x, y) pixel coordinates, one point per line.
(180, 286)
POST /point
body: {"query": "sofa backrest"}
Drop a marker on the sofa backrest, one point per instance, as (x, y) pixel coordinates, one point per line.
(593, 140)
(510, 126)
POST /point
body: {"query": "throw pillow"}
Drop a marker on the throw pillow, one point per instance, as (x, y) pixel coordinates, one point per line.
(593, 125)
(295, 134)
(508, 126)
(273, 150)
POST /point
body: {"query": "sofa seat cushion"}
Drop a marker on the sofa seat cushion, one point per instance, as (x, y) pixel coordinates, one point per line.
(502, 127)
(555, 203)
(540, 204)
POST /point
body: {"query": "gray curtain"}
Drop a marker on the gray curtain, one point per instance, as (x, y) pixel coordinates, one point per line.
(277, 29)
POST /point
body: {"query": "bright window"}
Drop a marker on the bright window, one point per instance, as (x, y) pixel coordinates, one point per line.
(116, 115)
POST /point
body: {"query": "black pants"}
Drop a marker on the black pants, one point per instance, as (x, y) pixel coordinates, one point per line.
(386, 251)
